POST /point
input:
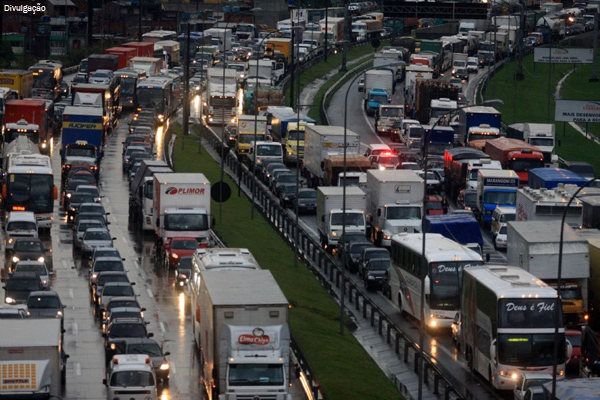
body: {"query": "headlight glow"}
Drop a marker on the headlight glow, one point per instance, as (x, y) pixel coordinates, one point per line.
(9, 300)
(41, 259)
(164, 366)
(15, 259)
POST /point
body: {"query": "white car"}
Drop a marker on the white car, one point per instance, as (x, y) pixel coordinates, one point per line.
(95, 237)
(102, 76)
(473, 64)
(500, 240)
(527, 380)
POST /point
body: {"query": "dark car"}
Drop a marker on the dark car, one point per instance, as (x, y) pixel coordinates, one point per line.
(355, 250)
(269, 170)
(113, 289)
(375, 272)
(183, 271)
(26, 249)
(160, 364)
(287, 196)
(19, 285)
(281, 181)
(348, 238)
(70, 187)
(121, 312)
(462, 74)
(467, 199)
(120, 301)
(75, 201)
(307, 201)
(105, 277)
(102, 264)
(370, 253)
(104, 252)
(122, 328)
(45, 304)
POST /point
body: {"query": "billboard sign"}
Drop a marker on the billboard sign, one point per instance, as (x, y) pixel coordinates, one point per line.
(561, 55)
(577, 111)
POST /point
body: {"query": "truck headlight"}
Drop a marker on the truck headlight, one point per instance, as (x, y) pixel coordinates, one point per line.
(9, 300)
(41, 259)
(69, 195)
(15, 259)
(59, 314)
(333, 233)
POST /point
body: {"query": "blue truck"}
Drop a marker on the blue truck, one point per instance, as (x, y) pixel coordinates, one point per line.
(478, 123)
(439, 139)
(286, 130)
(462, 228)
(379, 88)
(83, 124)
(549, 178)
(495, 188)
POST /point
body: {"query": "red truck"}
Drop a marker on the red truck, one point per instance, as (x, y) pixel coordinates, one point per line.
(516, 155)
(27, 117)
(103, 61)
(144, 49)
(124, 53)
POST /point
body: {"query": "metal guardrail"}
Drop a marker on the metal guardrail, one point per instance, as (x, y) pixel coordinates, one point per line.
(70, 70)
(330, 274)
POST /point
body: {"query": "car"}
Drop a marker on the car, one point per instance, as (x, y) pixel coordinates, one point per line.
(371, 253)
(102, 264)
(574, 337)
(183, 271)
(102, 76)
(355, 7)
(467, 199)
(91, 190)
(355, 250)
(287, 196)
(501, 238)
(113, 289)
(574, 29)
(457, 82)
(526, 380)
(462, 74)
(274, 174)
(26, 249)
(120, 312)
(104, 252)
(18, 311)
(408, 165)
(121, 301)
(433, 183)
(75, 201)
(95, 237)
(473, 65)
(307, 201)
(138, 156)
(534, 393)
(88, 216)
(19, 285)
(150, 347)
(93, 208)
(361, 85)
(45, 304)
(348, 238)
(105, 277)
(129, 152)
(80, 77)
(122, 328)
(178, 247)
(433, 206)
(83, 173)
(462, 212)
(137, 138)
(269, 168)
(375, 272)
(19, 224)
(38, 267)
(281, 181)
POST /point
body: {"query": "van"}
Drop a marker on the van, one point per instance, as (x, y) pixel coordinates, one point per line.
(265, 151)
(377, 149)
(131, 376)
(19, 224)
(500, 217)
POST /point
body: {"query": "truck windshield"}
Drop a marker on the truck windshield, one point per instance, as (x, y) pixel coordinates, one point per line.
(79, 151)
(529, 350)
(34, 191)
(439, 112)
(486, 46)
(296, 135)
(439, 148)
(268, 150)
(525, 165)
(412, 213)
(225, 102)
(128, 85)
(44, 80)
(348, 181)
(378, 98)
(256, 374)
(509, 198)
(186, 222)
(132, 378)
(352, 219)
(547, 142)
(248, 138)
(474, 135)
(152, 98)
(570, 293)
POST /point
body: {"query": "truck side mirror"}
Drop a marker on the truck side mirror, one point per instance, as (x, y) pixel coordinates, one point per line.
(150, 335)
(168, 353)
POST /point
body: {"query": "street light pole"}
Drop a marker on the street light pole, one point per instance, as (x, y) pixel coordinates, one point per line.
(255, 101)
(186, 87)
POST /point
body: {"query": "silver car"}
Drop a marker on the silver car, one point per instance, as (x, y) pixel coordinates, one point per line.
(95, 237)
(114, 289)
(45, 304)
(82, 227)
(102, 76)
(38, 267)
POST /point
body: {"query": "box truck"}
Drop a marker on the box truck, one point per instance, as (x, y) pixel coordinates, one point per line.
(27, 117)
(477, 123)
(124, 53)
(330, 214)
(461, 228)
(495, 188)
(549, 178)
(542, 136)
(241, 328)
(516, 155)
(394, 203)
(103, 61)
(547, 205)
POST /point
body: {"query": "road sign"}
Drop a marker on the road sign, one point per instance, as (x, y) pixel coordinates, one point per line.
(561, 55)
(577, 111)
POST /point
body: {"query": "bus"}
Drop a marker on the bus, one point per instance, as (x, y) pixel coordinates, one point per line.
(197, 39)
(507, 322)
(157, 36)
(439, 269)
(157, 93)
(28, 185)
(128, 79)
(47, 79)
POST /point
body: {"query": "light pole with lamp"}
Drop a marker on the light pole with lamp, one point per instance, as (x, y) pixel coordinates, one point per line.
(559, 281)
(488, 103)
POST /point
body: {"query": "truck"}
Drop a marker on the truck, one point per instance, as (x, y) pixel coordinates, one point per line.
(495, 188)
(333, 167)
(264, 95)
(589, 360)
(461, 228)
(143, 49)
(169, 51)
(249, 128)
(467, 25)
(391, 58)
(516, 155)
(242, 329)
(152, 65)
(430, 93)
(333, 28)
(414, 73)
(83, 124)
(103, 61)
(279, 48)
(535, 245)
(289, 129)
(181, 207)
(221, 38)
(589, 198)
(438, 140)
(124, 53)
(245, 31)
(314, 38)
(386, 116)
(27, 117)
(130, 375)
(477, 123)
(366, 29)
(434, 50)
(17, 80)
(547, 205)
(459, 60)
(141, 196)
(100, 96)
(552, 28)
(549, 178)
(379, 87)
(32, 358)
(320, 141)
(221, 96)
(394, 204)
(456, 174)
(330, 214)
(543, 136)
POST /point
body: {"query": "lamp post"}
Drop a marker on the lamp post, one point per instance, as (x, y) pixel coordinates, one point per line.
(559, 280)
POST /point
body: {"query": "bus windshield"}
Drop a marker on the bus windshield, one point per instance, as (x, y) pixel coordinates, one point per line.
(33, 191)
(128, 85)
(152, 98)
(44, 80)
(535, 350)
(445, 281)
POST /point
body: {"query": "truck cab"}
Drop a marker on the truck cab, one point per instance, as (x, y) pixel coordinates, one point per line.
(385, 117)
(375, 98)
(495, 188)
(80, 154)
(262, 151)
(131, 376)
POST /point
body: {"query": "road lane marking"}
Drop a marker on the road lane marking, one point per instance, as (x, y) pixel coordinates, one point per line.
(75, 328)
(162, 327)
(65, 264)
(125, 241)
(71, 294)
(77, 369)
(137, 264)
(173, 369)
(149, 292)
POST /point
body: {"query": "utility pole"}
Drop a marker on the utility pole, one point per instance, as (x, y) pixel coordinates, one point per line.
(186, 87)
(326, 26)
(519, 74)
(347, 36)
(292, 64)
(139, 20)
(594, 77)
(90, 16)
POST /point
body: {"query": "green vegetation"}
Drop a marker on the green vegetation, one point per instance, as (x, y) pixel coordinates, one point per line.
(343, 368)
(578, 87)
(527, 101)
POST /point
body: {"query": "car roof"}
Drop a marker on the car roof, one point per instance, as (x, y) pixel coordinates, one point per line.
(24, 275)
(117, 284)
(103, 273)
(30, 262)
(45, 293)
(126, 309)
(128, 320)
(97, 230)
(29, 239)
(123, 298)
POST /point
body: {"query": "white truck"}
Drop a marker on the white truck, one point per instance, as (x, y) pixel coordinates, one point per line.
(467, 25)
(169, 51)
(130, 376)
(534, 246)
(221, 95)
(333, 30)
(146, 195)
(152, 65)
(224, 259)
(263, 69)
(386, 116)
(181, 207)
(392, 58)
(322, 140)
(366, 29)
(220, 38)
(548, 205)
(265, 151)
(394, 203)
(314, 38)
(330, 213)
(32, 359)
(415, 72)
(542, 136)
(242, 332)
(459, 60)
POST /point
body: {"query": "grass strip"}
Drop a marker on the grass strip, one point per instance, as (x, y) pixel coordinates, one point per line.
(344, 369)
(526, 101)
(578, 87)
